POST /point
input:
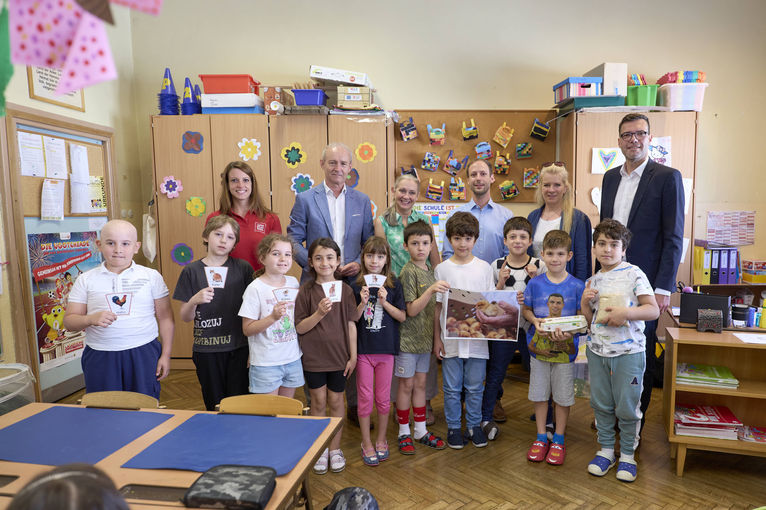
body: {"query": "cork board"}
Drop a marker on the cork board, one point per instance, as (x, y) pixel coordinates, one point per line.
(412, 152)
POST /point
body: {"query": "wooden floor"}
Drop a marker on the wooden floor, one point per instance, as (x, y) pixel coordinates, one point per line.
(499, 476)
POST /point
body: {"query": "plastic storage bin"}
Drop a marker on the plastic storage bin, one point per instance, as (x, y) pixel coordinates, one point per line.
(306, 97)
(682, 96)
(641, 95)
(229, 83)
(576, 86)
(16, 386)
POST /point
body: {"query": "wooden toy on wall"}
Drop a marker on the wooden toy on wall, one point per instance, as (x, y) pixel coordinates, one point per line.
(503, 135)
(408, 130)
(502, 163)
(430, 162)
(452, 166)
(434, 192)
(456, 189)
(483, 150)
(540, 130)
(437, 135)
(508, 190)
(471, 132)
(523, 150)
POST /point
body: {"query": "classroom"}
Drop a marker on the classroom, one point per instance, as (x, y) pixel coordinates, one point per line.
(443, 62)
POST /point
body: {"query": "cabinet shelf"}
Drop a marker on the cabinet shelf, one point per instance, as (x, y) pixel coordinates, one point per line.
(747, 389)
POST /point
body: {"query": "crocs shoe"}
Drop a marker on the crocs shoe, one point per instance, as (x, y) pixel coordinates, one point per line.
(455, 439)
(627, 470)
(600, 465)
(537, 451)
(432, 441)
(320, 467)
(337, 461)
(382, 451)
(556, 454)
(405, 445)
(371, 459)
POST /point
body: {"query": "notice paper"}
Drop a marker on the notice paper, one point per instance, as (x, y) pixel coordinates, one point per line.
(751, 338)
(52, 200)
(55, 157)
(31, 154)
(89, 197)
(78, 157)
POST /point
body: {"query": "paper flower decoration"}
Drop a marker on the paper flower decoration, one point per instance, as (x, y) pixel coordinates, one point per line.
(531, 177)
(293, 155)
(301, 183)
(191, 142)
(181, 254)
(171, 186)
(196, 206)
(352, 179)
(249, 149)
(366, 152)
(374, 208)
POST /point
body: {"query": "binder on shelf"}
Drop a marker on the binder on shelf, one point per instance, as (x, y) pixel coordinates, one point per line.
(706, 266)
(732, 271)
(714, 265)
(723, 266)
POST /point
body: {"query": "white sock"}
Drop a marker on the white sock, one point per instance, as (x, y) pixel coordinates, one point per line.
(627, 458)
(420, 429)
(404, 429)
(606, 452)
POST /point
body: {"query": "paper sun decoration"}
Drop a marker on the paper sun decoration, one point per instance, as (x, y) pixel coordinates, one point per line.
(366, 152)
(171, 186)
(196, 206)
(249, 149)
(301, 183)
(293, 155)
(181, 254)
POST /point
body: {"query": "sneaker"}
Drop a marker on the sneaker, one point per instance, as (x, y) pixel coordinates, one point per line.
(478, 437)
(455, 439)
(627, 470)
(337, 461)
(491, 430)
(370, 458)
(556, 454)
(498, 414)
(600, 465)
(538, 451)
(320, 467)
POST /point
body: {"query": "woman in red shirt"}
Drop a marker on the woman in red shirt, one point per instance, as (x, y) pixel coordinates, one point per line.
(240, 200)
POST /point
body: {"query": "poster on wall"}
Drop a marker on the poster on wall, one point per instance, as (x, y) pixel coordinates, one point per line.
(56, 260)
(438, 212)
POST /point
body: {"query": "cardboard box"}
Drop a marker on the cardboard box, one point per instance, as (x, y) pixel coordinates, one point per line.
(615, 78)
(322, 74)
(754, 271)
(342, 89)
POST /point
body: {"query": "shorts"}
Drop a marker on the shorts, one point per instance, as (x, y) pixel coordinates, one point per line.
(546, 377)
(335, 380)
(270, 378)
(407, 363)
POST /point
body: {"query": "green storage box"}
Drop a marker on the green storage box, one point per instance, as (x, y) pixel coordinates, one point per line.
(641, 95)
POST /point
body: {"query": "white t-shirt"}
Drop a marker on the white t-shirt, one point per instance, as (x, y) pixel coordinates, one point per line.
(475, 276)
(137, 287)
(278, 344)
(543, 227)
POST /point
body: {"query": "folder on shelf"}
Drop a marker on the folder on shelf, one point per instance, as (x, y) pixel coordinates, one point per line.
(706, 256)
(714, 265)
(732, 271)
(723, 266)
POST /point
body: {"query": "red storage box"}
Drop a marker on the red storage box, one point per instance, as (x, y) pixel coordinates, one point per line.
(229, 83)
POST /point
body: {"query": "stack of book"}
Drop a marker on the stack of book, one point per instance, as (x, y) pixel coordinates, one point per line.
(752, 434)
(699, 374)
(706, 421)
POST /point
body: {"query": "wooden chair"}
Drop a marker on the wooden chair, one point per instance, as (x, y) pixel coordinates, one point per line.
(119, 400)
(265, 405)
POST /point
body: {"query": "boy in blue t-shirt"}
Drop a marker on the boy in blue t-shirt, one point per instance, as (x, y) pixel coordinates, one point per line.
(555, 293)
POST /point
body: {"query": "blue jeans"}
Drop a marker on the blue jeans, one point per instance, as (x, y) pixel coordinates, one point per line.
(615, 396)
(500, 354)
(459, 373)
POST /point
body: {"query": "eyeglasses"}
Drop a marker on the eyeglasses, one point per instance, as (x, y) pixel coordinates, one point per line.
(553, 163)
(628, 135)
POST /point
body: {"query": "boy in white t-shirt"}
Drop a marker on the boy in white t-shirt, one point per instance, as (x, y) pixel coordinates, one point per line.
(122, 307)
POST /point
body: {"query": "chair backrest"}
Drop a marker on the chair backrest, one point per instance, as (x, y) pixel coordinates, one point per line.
(268, 405)
(119, 400)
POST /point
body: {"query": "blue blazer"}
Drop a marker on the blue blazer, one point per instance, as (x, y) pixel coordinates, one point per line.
(656, 220)
(310, 220)
(581, 264)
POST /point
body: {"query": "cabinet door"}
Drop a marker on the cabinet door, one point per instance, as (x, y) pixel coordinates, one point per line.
(227, 132)
(175, 225)
(362, 134)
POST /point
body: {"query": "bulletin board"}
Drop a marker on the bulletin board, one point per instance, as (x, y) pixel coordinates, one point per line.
(488, 121)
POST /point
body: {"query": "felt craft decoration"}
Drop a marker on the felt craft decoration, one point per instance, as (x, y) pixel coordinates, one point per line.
(293, 155)
(181, 254)
(192, 142)
(196, 206)
(301, 183)
(366, 152)
(171, 186)
(249, 149)
(352, 179)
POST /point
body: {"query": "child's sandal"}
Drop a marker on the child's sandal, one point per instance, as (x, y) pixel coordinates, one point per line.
(405, 445)
(432, 441)
(370, 459)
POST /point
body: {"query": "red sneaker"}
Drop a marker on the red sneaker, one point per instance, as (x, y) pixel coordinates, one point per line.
(537, 451)
(556, 454)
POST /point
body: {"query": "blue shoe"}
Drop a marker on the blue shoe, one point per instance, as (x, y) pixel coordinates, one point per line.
(478, 437)
(627, 470)
(455, 439)
(600, 465)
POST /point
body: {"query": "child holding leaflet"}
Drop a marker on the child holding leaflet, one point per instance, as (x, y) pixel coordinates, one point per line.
(210, 290)
(552, 354)
(267, 320)
(325, 310)
(378, 314)
(616, 302)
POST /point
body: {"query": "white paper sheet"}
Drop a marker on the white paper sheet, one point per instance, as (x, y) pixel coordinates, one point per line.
(55, 157)
(604, 158)
(752, 338)
(686, 248)
(78, 157)
(79, 197)
(52, 200)
(688, 183)
(31, 154)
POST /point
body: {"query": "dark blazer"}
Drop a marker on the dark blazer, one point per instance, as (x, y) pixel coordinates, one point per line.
(581, 264)
(656, 220)
(310, 220)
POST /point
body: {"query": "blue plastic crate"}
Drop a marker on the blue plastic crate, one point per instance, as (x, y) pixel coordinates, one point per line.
(309, 97)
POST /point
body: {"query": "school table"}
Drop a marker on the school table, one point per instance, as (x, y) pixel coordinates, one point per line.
(148, 431)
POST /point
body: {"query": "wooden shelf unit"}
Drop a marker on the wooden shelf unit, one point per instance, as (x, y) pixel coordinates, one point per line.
(747, 362)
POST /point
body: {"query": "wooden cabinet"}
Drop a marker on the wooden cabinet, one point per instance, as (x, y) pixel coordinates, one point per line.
(748, 402)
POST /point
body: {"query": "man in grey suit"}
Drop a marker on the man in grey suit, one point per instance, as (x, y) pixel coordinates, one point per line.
(333, 210)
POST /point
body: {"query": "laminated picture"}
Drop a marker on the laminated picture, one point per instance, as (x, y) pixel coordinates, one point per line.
(489, 315)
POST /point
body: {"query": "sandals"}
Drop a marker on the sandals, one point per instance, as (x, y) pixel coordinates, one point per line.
(337, 461)
(405, 445)
(371, 459)
(320, 467)
(382, 451)
(432, 441)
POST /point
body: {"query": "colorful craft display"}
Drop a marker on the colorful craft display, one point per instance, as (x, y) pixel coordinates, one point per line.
(502, 163)
(168, 99)
(434, 192)
(452, 166)
(437, 135)
(293, 155)
(471, 132)
(181, 254)
(483, 150)
(523, 150)
(508, 190)
(301, 183)
(408, 130)
(456, 189)
(540, 130)
(192, 142)
(249, 149)
(503, 135)
(430, 162)
(679, 77)
(411, 171)
(366, 152)
(531, 177)
(171, 187)
(196, 206)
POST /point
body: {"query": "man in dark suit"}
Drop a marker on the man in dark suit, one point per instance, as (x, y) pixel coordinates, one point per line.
(648, 198)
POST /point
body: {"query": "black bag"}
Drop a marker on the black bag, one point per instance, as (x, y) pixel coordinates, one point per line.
(230, 486)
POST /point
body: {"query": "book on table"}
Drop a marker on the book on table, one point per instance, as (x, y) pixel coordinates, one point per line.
(705, 375)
